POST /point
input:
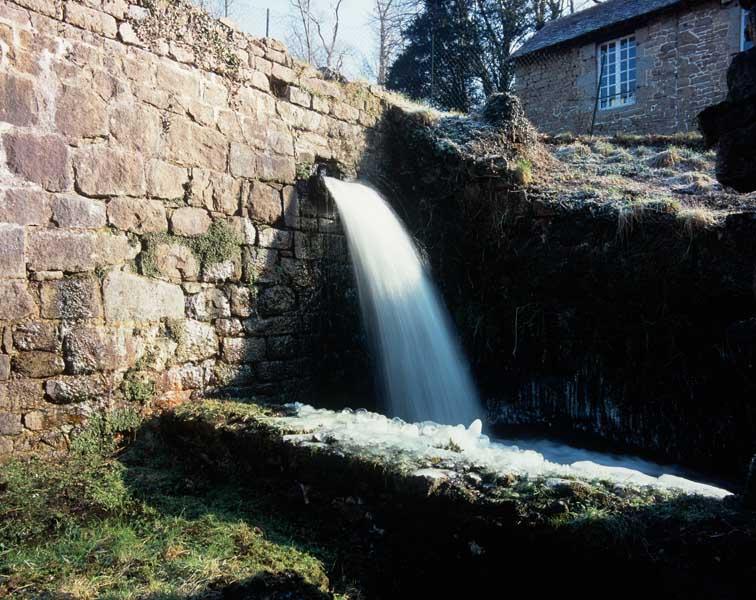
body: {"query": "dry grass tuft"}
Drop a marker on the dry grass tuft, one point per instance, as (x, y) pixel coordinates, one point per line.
(665, 159)
(697, 219)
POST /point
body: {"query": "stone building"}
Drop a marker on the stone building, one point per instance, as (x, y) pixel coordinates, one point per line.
(663, 62)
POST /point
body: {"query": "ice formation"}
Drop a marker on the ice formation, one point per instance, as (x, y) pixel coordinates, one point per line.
(371, 434)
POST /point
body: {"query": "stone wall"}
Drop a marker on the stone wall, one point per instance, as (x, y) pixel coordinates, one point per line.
(155, 240)
(682, 62)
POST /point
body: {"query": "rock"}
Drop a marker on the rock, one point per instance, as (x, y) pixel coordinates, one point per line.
(165, 180)
(102, 172)
(77, 298)
(732, 125)
(242, 161)
(81, 388)
(243, 350)
(176, 262)
(242, 300)
(91, 349)
(34, 421)
(229, 327)
(137, 215)
(216, 192)
(264, 203)
(269, 237)
(209, 304)
(18, 102)
(15, 301)
(282, 346)
(196, 341)
(37, 364)
(61, 250)
(129, 297)
(25, 207)
(78, 213)
(36, 335)
(13, 255)
(80, 114)
(10, 424)
(189, 221)
(4, 367)
(275, 301)
(42, 159)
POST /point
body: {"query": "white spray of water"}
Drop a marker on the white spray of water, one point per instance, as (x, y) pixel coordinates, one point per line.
(422, 370)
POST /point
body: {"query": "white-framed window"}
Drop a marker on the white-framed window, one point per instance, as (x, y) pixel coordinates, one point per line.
(617, 62)
(746, 43)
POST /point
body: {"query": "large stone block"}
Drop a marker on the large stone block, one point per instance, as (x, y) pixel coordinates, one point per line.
(90, 19)
(37, 365)
(196, 341)
(4, 367)
(242, 300)
(15, 301)
(57, 250)
(191, 145)
(137, 215)
(78, 213)
(209, 304)
(243, 350)
(129, 297)
(136, 127)
(18, 101)
(276, 168)
(42, 159)
(12, 251)
(190, 221)
(10, 424)
(165, 180)
(80, 113)
(102, 172)
(261, 265)
(217, 192)
(176, 262)
(276, 300)
(92, 349)
(269, 237)
(242, 161)
(36, 335)
(264, 203)
(77, 298)
(25, 207)
(81, 388)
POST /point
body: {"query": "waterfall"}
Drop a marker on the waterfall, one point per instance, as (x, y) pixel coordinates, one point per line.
(423, 373)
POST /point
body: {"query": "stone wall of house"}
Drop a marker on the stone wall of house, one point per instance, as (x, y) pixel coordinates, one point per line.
(682, 63)
(156, 240)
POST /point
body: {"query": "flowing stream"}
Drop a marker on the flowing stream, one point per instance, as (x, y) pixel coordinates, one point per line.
(424, 375)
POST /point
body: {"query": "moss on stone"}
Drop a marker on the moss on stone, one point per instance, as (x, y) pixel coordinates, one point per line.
(219, 244)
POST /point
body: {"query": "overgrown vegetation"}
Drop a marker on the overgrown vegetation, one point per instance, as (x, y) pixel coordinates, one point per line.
(108, 522)
(218, 244)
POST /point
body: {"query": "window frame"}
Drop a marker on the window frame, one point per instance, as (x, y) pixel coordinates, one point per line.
(743, 26)
(605, 102)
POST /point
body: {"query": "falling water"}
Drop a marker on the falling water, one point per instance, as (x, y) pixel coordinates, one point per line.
(422, 370)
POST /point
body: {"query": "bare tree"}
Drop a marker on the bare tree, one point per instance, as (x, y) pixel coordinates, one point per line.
(217, 8)
(387, 19)
(314, 34)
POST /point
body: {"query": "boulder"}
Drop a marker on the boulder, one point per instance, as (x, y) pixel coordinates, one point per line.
(731, 125)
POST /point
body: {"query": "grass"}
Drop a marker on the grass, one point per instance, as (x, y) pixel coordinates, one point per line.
(104, 523)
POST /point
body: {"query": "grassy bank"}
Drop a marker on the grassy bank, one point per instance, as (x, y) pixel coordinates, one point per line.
(114, 523)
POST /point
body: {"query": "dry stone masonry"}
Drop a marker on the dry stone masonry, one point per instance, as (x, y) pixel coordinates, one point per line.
(155, 243)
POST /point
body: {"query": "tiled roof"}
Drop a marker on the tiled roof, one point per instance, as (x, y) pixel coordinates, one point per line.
(590, 20)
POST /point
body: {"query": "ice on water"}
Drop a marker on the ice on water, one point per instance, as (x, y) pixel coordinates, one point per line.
(371, 434)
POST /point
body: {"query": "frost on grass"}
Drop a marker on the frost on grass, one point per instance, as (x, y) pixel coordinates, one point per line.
(465, 449)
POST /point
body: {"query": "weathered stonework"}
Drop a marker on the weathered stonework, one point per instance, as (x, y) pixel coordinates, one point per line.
(682, 61)
(150, 158)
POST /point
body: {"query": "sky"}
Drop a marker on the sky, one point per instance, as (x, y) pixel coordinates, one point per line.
(354, 30)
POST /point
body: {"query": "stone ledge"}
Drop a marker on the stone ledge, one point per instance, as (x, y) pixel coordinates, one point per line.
(481, 516)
